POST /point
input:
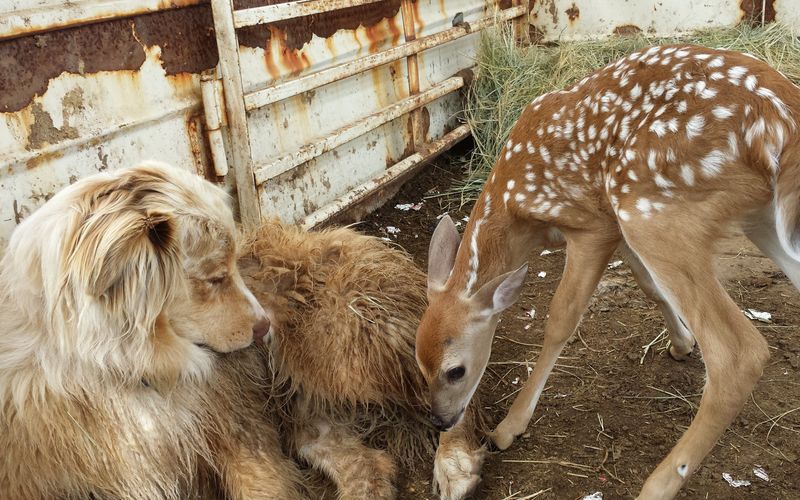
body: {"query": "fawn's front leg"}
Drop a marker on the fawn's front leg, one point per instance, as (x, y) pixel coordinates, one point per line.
(587, 256)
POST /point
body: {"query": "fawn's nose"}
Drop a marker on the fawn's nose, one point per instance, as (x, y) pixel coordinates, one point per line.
(439, 424)
(261, 329)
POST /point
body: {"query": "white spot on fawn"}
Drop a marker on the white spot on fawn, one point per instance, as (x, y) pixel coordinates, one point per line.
(687, 174)
(712, 162)
(694, 126)
(722, 112)
(644, 206)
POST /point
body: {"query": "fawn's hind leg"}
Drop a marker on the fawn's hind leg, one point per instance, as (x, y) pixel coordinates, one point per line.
(762, 232)
(358, 471)
(733, 350)
(681, 340)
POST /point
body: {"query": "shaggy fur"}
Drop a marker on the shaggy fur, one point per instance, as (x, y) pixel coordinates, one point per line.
(113, 297)
(346, 310)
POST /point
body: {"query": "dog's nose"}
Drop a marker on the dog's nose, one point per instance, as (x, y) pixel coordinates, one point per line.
(261, 329)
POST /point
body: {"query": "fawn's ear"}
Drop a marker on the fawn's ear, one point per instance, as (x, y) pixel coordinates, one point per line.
(500, 293)
(442, 252)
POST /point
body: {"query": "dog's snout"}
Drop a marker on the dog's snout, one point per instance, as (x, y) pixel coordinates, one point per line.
(261, 328)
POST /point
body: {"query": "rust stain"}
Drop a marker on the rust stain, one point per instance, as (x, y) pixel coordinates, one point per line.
(395, 31)
(300, 30)
(269, 61)
(357, 40)
(552, 9)
(425, 119)
(442, 8)
(376, 36)
(42, 159)
(30, 29)
(331, 46)
(419, 24)
(627, 30)
(754, 10)
(27, 64)
(573, 13)
(185, 35)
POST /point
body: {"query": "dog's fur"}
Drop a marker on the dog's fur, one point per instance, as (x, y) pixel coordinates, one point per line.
(113, 297)
(117, 298)
(346, 310)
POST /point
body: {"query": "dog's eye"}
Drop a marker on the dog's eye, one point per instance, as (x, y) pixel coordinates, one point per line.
(216, 280)
(455, 374)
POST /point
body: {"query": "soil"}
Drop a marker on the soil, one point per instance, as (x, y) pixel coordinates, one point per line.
(613, 409)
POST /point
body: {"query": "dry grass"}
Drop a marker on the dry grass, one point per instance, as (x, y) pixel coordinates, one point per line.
(511, 76)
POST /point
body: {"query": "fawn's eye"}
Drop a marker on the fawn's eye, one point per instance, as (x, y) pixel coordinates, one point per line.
(455, 374)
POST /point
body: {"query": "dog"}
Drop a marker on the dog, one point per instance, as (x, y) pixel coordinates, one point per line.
(117, 296)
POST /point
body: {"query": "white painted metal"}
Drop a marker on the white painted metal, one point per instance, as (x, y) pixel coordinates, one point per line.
(327, 137)
(153, 120)
(592, 19)
(214, 106)
(356, 129)
(301, 94)
(394, 172)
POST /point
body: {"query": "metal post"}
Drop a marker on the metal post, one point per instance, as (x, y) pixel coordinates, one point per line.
(242, 163)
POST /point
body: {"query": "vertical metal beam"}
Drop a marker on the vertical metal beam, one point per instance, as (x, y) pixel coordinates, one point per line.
(410, 34)
(242, 162)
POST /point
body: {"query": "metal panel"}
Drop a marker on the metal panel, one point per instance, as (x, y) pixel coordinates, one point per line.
(587, 19)
(124, 84)
(333, 108)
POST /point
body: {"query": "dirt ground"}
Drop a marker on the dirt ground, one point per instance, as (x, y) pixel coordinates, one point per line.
(613, 408)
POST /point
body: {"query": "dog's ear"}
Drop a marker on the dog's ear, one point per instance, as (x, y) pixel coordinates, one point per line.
(126, 257)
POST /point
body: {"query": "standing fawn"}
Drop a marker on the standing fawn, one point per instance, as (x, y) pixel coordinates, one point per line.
(658, 154)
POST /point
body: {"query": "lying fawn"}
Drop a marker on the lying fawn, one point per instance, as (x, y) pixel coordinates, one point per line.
(658, 154)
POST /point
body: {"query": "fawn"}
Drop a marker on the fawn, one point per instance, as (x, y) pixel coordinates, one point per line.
(659, 154)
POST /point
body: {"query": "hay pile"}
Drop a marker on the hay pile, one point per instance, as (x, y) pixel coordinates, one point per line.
(511, 76)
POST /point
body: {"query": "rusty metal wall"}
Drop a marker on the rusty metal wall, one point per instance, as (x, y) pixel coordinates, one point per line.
(553, 20)
(294, 50)
(89, 85)
(92, 85)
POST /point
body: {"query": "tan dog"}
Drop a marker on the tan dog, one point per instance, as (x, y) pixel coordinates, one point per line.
(115, 296)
